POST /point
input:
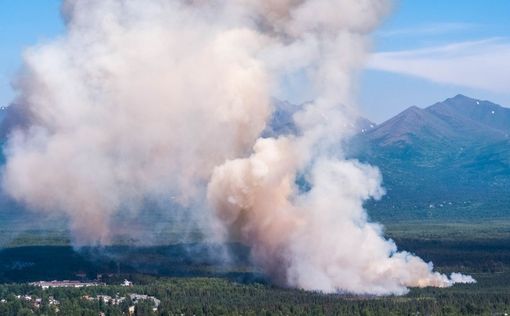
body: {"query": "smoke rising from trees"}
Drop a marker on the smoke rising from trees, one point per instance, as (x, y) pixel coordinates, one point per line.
(159, 100)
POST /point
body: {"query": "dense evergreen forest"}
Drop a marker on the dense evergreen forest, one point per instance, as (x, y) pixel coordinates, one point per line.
(187, 280)
(213, 296)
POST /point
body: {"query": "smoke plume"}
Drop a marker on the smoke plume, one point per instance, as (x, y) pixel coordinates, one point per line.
(165, 100)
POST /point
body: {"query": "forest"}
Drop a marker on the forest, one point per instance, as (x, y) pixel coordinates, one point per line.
(188, 281)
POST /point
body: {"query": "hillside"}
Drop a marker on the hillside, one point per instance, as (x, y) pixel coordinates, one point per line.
(449, 160)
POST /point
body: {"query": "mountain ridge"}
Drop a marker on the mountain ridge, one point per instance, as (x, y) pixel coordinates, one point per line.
(459, 119)
(454, 153)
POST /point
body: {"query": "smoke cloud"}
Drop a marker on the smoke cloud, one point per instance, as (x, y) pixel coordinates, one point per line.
(165, 100)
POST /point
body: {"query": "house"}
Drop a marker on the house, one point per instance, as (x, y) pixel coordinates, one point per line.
(66, 283)
(127, 283)
(139, 297)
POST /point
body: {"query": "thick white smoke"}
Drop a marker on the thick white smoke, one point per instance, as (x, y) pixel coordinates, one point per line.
(167, 98)
(136, 101)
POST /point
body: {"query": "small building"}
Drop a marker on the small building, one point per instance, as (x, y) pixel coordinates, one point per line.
(135, 298)
(66, 283)
(127, 283)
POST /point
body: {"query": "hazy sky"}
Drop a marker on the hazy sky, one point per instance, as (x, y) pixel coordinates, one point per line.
(428, 50)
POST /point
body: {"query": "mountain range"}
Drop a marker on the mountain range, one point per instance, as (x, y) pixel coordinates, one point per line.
(456, 120)
(450, 160)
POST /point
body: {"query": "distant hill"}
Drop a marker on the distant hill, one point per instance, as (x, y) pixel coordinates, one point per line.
(449, 160)
(282, 121)
(458, 120)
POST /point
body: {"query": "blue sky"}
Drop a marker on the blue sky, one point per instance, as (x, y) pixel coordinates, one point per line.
(426, 51)
(23, 23)
(429, 50)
